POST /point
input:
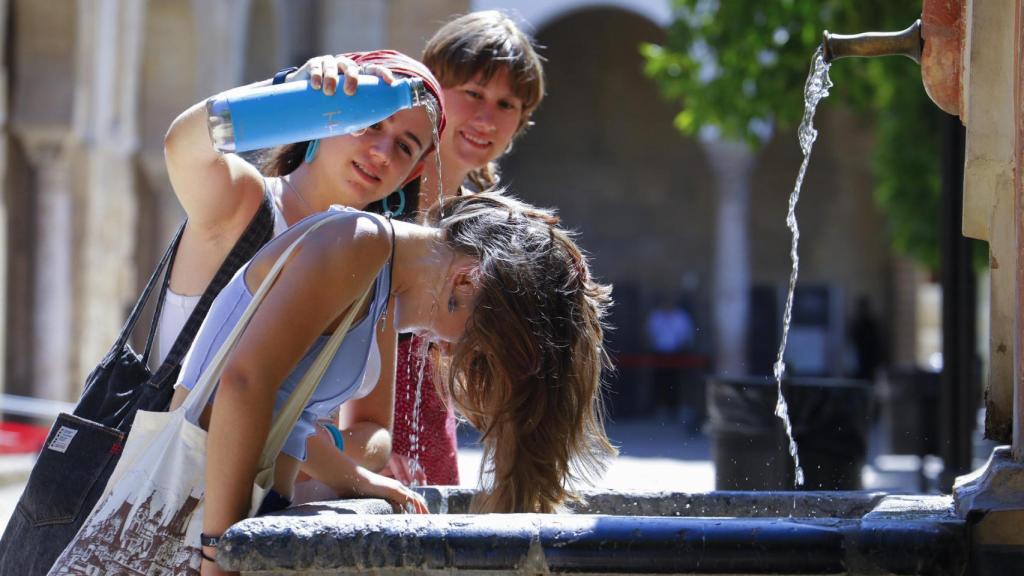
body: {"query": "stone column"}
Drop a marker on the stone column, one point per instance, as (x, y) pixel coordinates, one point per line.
(731, 163)
(992, 498)
(106, 131)
(1018, 160)
(41, 346)
(221, 30)
(168, 86)
(906, 278)
(989, 197)
(271, 22)
(53, 275)
(354, 25)
(412, 22)
(3, 205)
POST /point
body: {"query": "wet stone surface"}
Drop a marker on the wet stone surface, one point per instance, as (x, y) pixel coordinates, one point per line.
(730, 504)
(442, 500)
(719, 532)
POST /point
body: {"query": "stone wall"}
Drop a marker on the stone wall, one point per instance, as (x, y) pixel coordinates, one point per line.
(4, 242)
(604, 151)
(92, 88)
(94, 84)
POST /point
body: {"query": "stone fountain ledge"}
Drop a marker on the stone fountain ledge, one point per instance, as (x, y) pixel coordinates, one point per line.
(712, 533)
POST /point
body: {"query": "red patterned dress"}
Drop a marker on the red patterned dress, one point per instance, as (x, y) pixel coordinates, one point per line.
(436, 449)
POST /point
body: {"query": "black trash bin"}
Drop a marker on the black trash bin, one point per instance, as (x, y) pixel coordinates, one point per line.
(830, 423)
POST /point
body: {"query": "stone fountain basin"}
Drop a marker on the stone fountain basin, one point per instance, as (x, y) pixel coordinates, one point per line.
(613, 533)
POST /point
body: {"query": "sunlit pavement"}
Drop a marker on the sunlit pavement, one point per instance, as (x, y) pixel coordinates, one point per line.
(652, 456)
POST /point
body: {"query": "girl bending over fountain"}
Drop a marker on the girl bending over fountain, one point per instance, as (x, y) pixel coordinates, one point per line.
(502, 289)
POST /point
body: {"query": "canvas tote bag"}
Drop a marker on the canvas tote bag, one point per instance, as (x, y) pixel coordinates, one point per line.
(83, 448)
(150, 517)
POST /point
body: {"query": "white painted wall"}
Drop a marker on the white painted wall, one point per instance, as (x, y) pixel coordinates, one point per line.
(539, 13)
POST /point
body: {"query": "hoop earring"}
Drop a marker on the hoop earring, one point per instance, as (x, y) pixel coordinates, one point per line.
(451, 304)
(401, 204)
(311, 149)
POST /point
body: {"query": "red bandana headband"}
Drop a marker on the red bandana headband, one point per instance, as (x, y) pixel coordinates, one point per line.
(401, 64)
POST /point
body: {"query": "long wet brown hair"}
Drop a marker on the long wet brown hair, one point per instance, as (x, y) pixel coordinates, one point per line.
(528, 371)
(480, 44)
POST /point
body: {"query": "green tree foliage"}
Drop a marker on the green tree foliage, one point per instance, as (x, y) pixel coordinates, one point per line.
(734, 64)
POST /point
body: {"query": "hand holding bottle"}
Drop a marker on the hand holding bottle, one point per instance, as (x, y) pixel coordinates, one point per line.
(305, 107)
(323, 72)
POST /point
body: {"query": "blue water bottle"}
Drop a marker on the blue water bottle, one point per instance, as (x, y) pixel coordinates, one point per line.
(269, 116)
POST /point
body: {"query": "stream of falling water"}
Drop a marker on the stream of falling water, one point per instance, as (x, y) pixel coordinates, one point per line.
(418, 357)
(417, 407)
(418, 354)
(815, 90)
(433, 115)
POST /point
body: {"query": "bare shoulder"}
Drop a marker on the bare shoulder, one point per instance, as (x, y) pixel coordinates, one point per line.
(352, 237)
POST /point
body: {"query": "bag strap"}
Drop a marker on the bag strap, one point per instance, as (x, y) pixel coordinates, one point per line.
(133, 317)
(289, 414)
(173, 251)
(256, 235)
(203, 390)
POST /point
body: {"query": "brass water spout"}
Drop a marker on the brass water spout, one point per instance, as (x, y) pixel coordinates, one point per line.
(904, 43)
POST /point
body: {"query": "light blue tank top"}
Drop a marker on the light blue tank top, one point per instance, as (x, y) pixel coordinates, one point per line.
(342, 381)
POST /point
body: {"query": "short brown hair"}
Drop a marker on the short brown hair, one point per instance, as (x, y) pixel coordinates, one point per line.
(480, 44)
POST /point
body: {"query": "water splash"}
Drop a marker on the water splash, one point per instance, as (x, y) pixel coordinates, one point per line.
(411, 417)
(418, 355)
(418, 404)
(816, 88)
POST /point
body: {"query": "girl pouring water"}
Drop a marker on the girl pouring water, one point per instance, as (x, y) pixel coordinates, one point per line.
(221, 192)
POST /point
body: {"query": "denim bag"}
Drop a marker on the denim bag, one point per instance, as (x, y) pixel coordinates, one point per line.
(151, 515)
(84, 447)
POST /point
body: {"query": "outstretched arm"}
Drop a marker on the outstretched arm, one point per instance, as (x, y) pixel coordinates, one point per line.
(368, 423)
(349, 480)
(221, 192)
(365, 423)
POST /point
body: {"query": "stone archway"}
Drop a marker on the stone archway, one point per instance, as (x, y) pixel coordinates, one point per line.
(605, 153)
(540, 13)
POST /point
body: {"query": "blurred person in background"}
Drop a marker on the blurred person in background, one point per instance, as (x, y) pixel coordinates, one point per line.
(865, 335)
(670, 331)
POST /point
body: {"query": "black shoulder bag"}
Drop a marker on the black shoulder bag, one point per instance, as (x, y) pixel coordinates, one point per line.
(83, 448)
